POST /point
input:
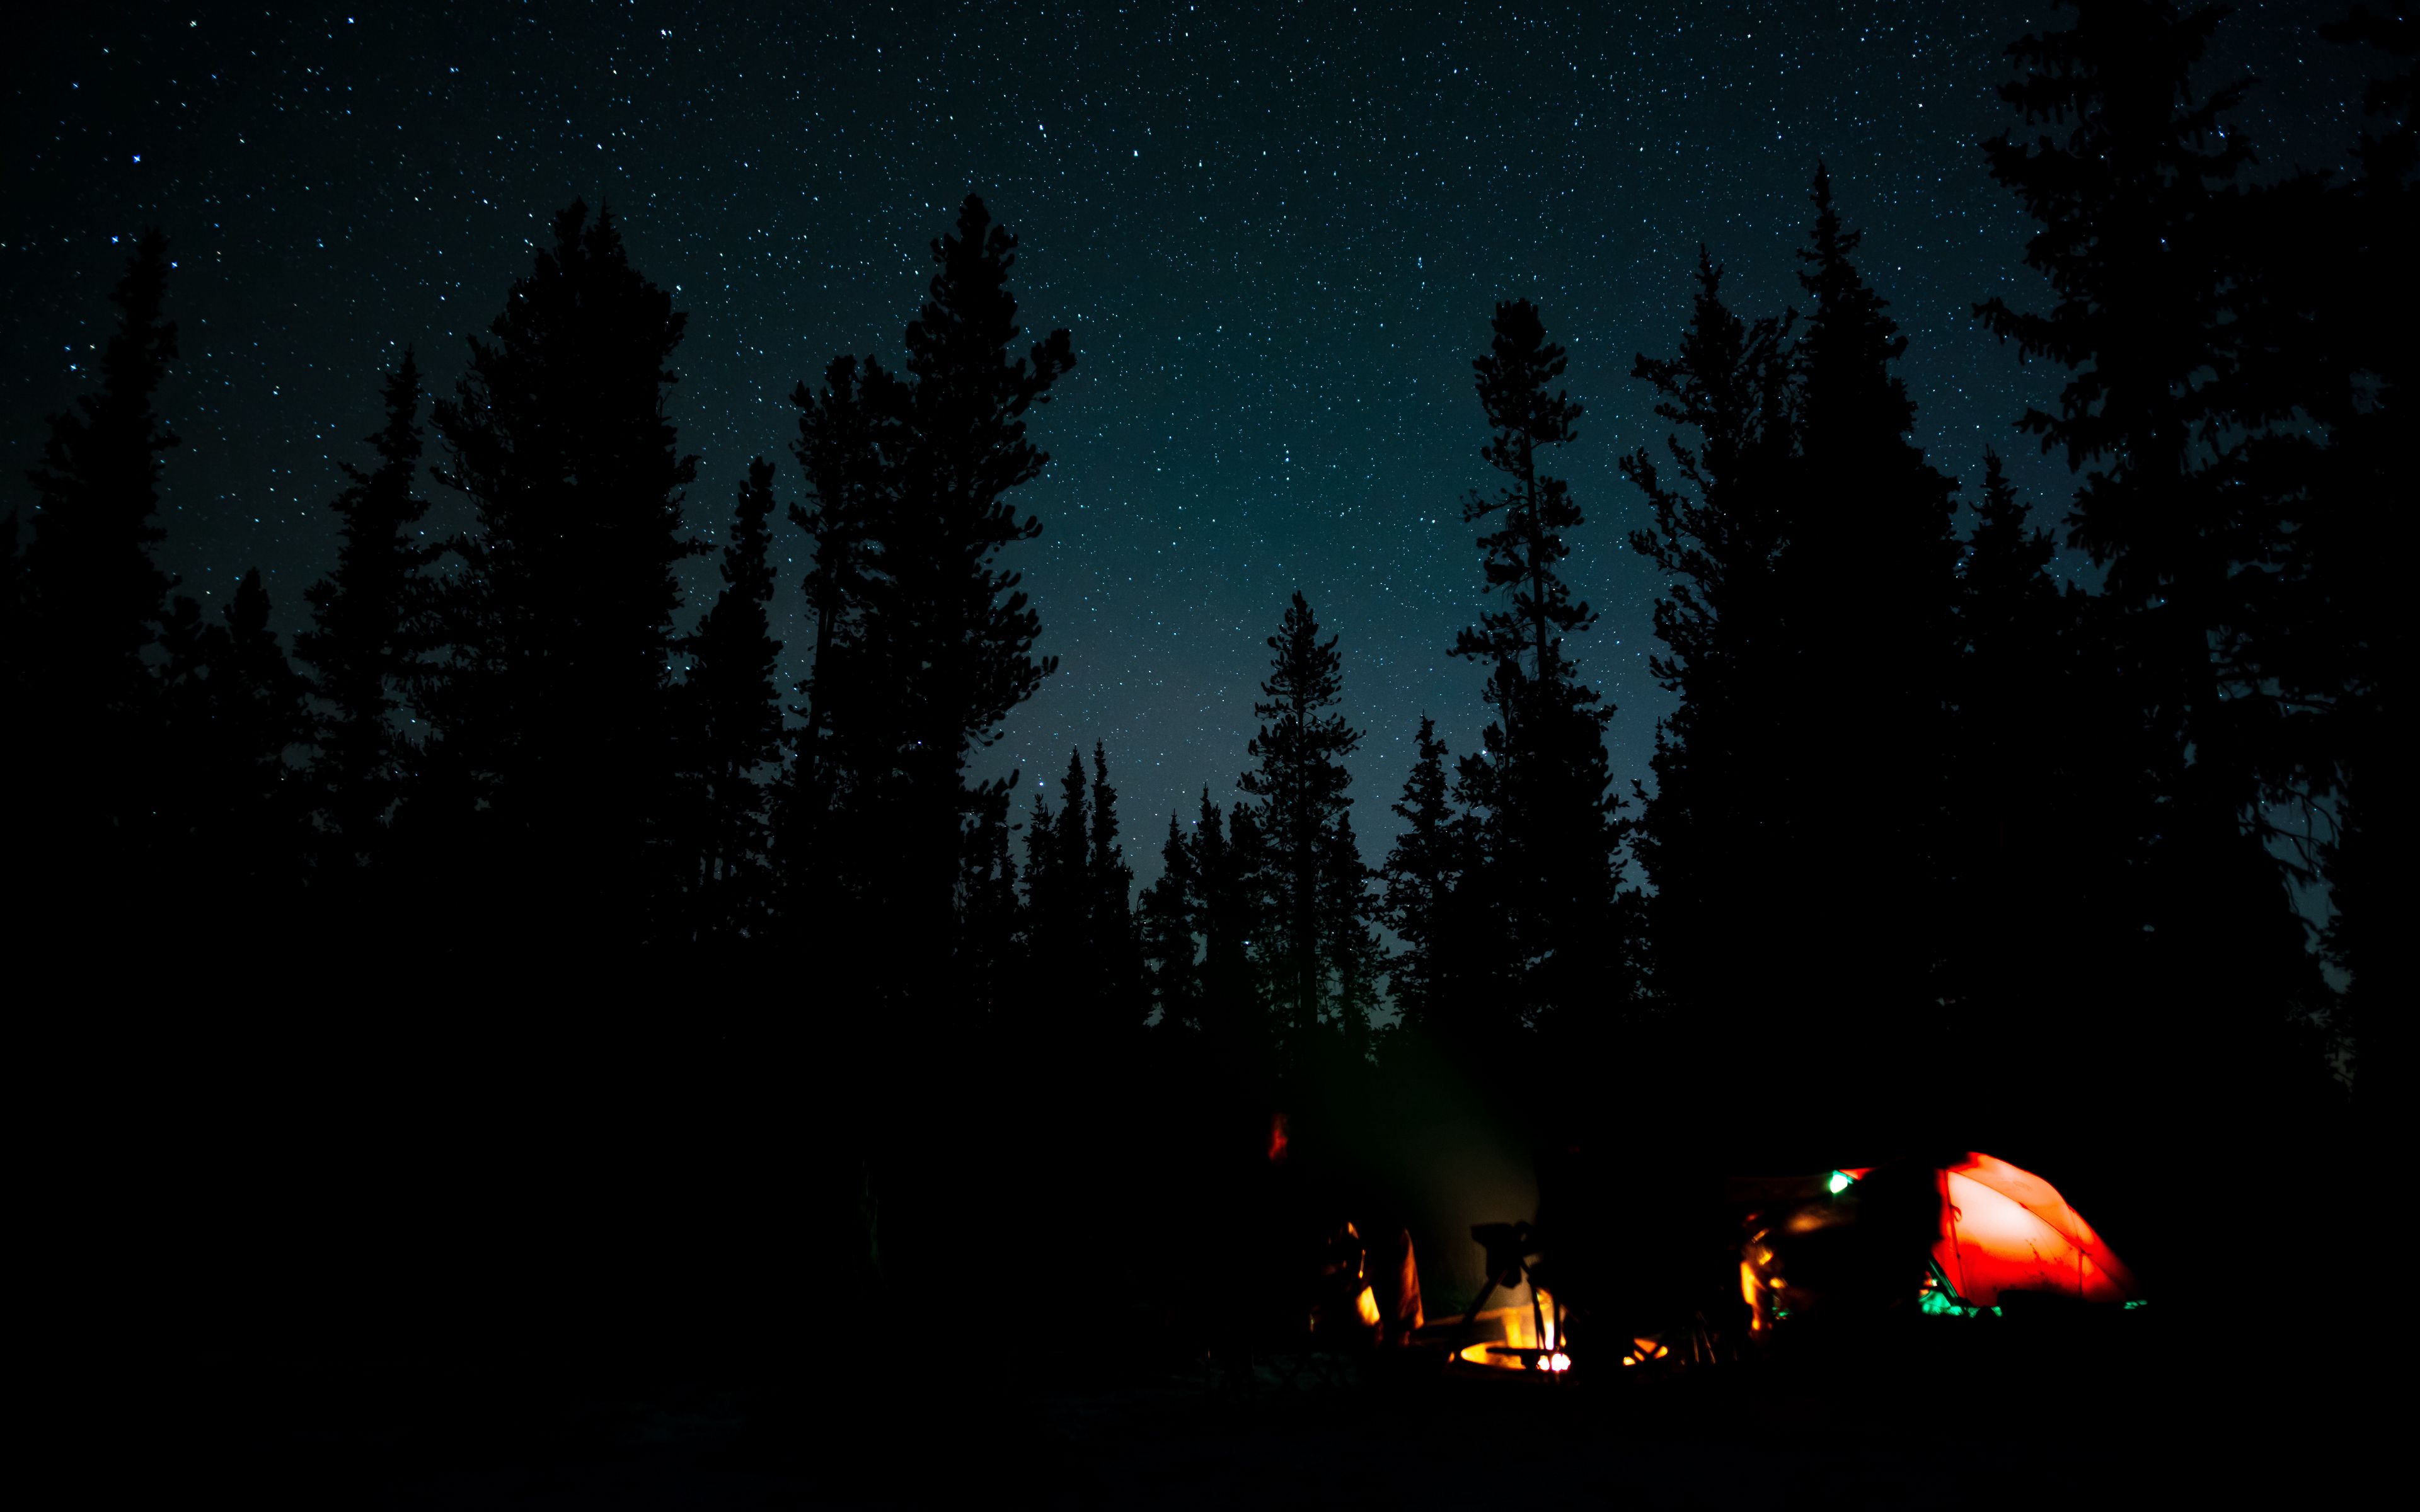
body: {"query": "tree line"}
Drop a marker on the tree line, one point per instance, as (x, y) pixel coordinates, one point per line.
(1924, 814)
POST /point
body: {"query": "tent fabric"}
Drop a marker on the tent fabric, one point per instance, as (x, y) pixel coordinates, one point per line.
(2006, 1229)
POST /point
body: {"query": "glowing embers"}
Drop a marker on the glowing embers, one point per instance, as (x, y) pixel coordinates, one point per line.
(1533, 1338)
(1647, 1351)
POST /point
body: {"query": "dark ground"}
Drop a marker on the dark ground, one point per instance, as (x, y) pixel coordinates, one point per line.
(1953, 1415)
(396, 1289)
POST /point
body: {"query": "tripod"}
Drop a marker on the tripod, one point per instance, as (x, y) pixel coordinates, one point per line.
(1512, 1250)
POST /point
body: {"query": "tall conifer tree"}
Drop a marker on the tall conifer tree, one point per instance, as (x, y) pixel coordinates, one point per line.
(1422, 872)
(1114, 946)
(730, 726)
(1168, 918)
(1541, 782)
(2354, 655)
(1867, 566)
(1718, 503)
(91, 605)
(2134, 184)
(1299, 782)
(370, 632)
(558, 704)
(913, 479)
(231, 798)
(1231, 869)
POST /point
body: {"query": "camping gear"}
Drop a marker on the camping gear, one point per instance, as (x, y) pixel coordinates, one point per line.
(1511, 1249)
(2007, 1229)
(1956, 1236)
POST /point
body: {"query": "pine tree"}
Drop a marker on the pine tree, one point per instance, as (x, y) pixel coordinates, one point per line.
(1113, 947)
(995, 967)
(1168, 918)
(370, 633)
(960, 633)
(732, 726)
(235, 709)
(2353, 656)
(942, 639)
(2133, 182)
(1347, 907)
(1524, 553)
(90, 607)
(1080, 899)
(1422, 872)
(1546, 824)
(1058, 885)
(2040, 743)
(1300, 781)
(1867, 567)
(557, 705)
(1717, 537)
(852, 433)
(1059, 904)
(1230, 868)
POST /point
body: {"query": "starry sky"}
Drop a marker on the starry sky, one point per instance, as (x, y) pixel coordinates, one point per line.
(1276, 232)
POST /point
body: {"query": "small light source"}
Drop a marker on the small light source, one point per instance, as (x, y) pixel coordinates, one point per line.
(1839, 1183)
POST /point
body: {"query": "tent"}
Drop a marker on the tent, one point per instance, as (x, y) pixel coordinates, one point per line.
(2002, 1228)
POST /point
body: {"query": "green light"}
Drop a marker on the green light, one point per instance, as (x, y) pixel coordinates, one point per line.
(1839, 1183)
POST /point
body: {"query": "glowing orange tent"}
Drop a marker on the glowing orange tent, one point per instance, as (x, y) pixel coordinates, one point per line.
(2006, 1229)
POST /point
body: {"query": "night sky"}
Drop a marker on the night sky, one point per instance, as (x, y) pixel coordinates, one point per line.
(1276, 234)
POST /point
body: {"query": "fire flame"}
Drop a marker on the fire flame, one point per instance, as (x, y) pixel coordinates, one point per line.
(1367, 1302)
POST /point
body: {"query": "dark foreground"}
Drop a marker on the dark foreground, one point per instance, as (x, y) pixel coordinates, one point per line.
(1948, 1413)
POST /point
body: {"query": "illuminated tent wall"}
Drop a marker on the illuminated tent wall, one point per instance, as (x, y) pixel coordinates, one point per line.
(2006, 1229)
(2002, 1228)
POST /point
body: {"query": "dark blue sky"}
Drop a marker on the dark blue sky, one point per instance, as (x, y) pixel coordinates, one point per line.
(1276, 232)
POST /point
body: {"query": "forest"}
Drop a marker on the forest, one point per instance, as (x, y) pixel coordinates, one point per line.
(516, 903)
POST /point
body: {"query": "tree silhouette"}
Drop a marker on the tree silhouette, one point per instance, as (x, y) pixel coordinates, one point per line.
(1087, 971)
(1525, 554)
(1232, 872)
(852, 433)
(912, 482)
(234, 708)
(1168, 918)
(731, 727)
(1113, 947)
(2134, 183)
(1717, 537)
(91, 606)
(1348, 904)
(370, 633)
(1546, 830)
(1429, 860)
(2349, 650)
(557, 702)
(1300, 781)
(1867, 566)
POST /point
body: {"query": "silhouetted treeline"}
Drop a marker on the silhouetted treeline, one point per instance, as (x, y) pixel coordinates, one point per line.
(1936, 843)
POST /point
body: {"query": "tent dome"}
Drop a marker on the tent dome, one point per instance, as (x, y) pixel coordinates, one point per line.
(2002, 1228)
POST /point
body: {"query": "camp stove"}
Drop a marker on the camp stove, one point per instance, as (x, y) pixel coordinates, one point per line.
(1534, 1337)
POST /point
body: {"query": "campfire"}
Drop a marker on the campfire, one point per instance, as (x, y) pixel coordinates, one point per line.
(1534, 1337)
(1533, 1332)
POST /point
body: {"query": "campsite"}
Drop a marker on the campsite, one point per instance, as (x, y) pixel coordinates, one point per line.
(1208, 754)
(675, 1303)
